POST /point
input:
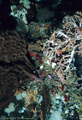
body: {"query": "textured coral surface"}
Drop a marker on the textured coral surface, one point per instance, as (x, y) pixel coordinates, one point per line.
(15, 67)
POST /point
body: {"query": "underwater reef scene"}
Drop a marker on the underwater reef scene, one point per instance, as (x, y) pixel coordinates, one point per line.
(40, 60)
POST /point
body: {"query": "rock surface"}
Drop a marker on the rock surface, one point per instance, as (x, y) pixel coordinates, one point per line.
(15, 67)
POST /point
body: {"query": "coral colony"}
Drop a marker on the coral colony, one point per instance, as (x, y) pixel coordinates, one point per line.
(60, 49)
(40, 60)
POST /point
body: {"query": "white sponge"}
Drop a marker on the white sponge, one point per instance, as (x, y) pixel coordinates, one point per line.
(56, 115)
(22, 95)
(11, 108)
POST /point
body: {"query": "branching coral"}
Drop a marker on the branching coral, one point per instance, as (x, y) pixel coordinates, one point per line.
(60, 52)
(62, 45)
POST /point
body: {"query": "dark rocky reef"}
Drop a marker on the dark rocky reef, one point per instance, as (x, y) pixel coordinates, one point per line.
(15, 67)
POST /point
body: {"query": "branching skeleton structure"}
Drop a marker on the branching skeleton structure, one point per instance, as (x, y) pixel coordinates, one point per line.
(63, 44)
